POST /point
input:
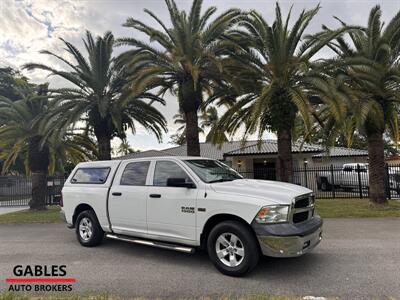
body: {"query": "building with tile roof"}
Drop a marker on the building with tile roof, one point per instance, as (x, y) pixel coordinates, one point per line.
(251, 156)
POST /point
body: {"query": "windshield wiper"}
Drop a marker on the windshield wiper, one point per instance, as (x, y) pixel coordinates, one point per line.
(220, 180)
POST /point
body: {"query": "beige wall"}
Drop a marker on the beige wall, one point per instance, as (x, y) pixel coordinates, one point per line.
(339, 161)
(393, 162)
(245, 162)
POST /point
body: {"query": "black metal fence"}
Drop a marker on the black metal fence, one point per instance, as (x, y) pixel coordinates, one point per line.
(350, 181)
(17, 190)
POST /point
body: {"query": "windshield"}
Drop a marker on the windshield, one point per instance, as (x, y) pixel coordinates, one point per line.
(212, 170)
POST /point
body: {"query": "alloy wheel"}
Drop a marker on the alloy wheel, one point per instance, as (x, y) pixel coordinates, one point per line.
(85, 229)
(229, 249)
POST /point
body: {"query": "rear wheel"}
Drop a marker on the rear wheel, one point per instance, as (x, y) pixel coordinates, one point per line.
(233, 248)
(88, 229)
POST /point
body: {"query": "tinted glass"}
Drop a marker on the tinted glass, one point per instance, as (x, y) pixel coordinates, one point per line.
(212, 170)
(135, 173)
(168, 169)
(363, 169)
(348, 169)
(91, 175)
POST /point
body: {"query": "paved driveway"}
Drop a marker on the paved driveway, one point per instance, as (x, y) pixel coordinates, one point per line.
(358, 259)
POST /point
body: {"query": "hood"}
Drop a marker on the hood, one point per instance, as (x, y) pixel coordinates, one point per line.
(271, 191)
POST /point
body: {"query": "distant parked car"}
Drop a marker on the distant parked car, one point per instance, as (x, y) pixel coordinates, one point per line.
(348, 177)
(352, 176)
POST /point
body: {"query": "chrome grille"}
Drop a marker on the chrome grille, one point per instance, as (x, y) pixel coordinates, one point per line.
(302, 208)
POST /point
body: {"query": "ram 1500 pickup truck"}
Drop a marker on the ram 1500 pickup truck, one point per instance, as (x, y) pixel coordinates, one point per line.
(184, 203)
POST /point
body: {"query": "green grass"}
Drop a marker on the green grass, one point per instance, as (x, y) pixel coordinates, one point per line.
(355, 208)
(51, 215)
(327, 208)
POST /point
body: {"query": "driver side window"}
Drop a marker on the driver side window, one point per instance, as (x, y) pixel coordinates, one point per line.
(168, 169)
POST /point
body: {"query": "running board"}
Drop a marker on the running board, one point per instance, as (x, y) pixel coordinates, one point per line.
(152, 243)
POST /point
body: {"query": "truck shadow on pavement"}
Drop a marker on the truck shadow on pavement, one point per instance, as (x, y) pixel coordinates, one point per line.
(268, 267)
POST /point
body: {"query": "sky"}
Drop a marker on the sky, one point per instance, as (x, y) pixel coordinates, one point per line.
(28, 26)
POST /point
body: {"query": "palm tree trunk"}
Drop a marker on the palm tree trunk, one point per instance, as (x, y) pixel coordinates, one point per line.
(192, 133)
(39, 191)
(38, 160)
(104, 145)
(376, 169)
(285, 161)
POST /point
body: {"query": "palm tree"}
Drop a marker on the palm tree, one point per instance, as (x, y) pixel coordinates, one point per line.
(210, 120)
(13, 85)
(69, 150)
(189, 62)
(366, 80)
(99, 95)
(179, 137)
(125, 148)
(273, 73)
(25, 134)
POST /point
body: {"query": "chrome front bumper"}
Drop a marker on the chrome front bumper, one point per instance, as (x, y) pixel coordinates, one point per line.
(289, 240)
(289, 246)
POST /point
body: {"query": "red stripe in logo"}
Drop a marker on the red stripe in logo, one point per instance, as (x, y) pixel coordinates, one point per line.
(42, 279)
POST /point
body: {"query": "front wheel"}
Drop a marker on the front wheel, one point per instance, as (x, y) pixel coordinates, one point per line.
(233, 248)
(88, 229)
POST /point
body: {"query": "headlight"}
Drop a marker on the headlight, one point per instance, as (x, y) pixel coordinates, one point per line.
(273, 214)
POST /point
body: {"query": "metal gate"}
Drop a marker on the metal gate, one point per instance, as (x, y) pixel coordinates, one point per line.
(17, 190)
(336, 181)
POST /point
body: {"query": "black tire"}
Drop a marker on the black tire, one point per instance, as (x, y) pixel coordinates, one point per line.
(248, 241)
(97, 233)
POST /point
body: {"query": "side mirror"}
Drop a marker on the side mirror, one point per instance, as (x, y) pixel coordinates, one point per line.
(180, 182)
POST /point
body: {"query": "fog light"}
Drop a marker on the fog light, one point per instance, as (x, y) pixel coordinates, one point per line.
(306, 244)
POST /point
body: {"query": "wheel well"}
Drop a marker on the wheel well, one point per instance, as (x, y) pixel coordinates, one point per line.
(80, 208)
(214, 220)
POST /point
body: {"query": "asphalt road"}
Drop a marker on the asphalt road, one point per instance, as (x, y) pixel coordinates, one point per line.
(358, 259)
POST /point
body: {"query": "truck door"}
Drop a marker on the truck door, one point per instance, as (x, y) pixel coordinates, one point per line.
(127, 199)
(171, 211)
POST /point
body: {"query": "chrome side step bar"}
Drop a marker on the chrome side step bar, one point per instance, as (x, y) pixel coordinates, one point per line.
(151, 243)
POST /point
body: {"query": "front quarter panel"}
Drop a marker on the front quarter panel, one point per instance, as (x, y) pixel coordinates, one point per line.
(217, 203)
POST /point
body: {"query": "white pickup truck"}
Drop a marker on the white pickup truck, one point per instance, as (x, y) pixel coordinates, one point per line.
(351, 175)
(354, 176)
(184, 203)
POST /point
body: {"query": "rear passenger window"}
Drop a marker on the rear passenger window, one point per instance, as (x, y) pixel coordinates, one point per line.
(91, 175)
(135, 173)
